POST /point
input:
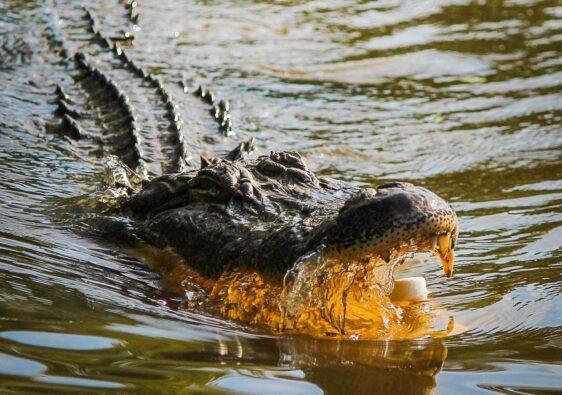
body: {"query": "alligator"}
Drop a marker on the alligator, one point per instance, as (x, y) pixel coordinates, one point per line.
(255, 237)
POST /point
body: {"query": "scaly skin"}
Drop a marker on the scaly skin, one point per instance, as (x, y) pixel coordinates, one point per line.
(243, 231)
(238, 222)
(268, 212)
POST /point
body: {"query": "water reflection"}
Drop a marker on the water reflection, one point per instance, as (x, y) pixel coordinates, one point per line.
(460, 96)
(367, 367)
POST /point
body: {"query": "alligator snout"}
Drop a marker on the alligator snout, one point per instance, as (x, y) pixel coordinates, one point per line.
(395, 217)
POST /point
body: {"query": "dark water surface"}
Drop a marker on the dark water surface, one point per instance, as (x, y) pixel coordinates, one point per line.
(460, 96)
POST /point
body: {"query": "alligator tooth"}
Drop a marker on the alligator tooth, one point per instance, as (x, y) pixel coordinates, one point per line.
(226, 124)
(131, 119)
(126, 36)
(184, 84)
(446, 253)
(434, 243)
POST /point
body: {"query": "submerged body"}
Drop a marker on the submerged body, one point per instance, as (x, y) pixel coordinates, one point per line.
(265, 241)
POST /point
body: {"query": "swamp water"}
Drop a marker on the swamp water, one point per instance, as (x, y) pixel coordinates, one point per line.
(460, 96)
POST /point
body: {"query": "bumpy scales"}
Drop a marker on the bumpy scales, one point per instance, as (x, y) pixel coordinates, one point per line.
(268, 212)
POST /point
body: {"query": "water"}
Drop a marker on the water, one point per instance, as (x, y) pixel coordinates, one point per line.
(462, 97)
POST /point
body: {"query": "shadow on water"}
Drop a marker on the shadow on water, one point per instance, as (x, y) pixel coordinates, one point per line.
(462, 97)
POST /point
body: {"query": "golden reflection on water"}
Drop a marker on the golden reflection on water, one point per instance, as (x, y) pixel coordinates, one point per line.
(337, 301)
(367, 367)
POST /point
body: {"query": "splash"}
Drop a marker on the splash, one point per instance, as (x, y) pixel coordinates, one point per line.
(325, 295)
(320, 297)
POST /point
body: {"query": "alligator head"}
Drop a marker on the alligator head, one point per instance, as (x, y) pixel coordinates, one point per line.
(393, 217)
(269, 211)
(250, 226)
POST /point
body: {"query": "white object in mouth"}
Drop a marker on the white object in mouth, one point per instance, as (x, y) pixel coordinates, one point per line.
(409, 289)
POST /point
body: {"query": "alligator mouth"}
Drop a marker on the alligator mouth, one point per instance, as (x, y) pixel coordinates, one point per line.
(443, 247)
(322, 297)
(339, 296)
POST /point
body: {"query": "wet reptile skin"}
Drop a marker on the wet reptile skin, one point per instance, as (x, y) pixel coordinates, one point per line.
(228, 211)
(268, 212)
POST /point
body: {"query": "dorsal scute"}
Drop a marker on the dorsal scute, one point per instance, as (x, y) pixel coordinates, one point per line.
(277, 180)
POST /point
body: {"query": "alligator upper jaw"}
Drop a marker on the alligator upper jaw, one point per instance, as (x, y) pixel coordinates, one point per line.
(443, 249)
(440, 246)
(393, 220)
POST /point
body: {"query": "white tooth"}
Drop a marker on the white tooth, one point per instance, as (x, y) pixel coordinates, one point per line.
(444, 242)
(434, 243)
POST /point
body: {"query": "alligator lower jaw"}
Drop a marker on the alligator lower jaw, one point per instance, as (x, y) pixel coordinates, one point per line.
(344, 301)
